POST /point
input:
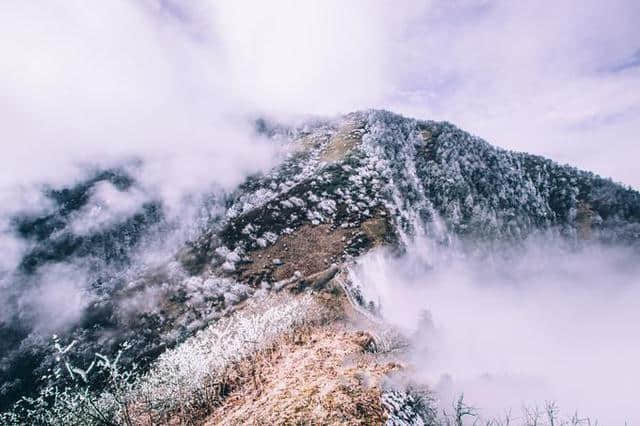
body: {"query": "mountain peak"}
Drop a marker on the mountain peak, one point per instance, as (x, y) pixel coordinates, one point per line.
(347, 185)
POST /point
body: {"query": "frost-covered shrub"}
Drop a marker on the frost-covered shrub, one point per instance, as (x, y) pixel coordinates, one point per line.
(97, 395)
(191, 377)
(184, 381)
(416, 406)
(410, 406)
(484, 191)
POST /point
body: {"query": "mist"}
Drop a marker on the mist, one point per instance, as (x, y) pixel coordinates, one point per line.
(175, 81)
(517, 327)
(124, 86)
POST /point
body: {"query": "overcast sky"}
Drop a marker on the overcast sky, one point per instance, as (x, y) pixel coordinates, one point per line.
(80, 81)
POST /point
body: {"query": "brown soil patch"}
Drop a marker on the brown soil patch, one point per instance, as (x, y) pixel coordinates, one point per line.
(377, 229)
(344, 140)
(309, 249)
(309, 142)
(584, 219)
(317, 376)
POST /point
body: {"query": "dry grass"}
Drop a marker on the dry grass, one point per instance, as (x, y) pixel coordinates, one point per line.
(187, 382)
(584, 218)
(310, 249)
(343, 141)
(314, 376)
(316, 371)
(377, 229)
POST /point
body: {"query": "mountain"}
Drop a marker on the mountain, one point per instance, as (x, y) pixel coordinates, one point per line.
(348, 185)
(385, 177)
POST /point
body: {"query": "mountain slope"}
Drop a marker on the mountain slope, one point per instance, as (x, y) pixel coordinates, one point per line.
(349, 184)
(384, 178)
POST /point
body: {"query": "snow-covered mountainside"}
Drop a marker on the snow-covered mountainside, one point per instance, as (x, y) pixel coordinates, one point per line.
(348, 185)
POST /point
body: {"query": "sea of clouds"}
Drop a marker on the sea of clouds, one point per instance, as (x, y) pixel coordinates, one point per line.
(518, 327)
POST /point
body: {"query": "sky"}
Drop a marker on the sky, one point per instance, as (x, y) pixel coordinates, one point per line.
(92, 82)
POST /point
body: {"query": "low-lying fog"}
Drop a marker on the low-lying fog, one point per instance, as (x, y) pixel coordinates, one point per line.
(518, 327)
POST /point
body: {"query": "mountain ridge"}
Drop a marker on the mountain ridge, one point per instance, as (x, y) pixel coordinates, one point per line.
(364, 180)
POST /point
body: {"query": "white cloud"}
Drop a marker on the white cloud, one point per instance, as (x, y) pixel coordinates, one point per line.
(538, 324)
(164, 77)
(57, 302)
(106, 206)
(86, 86)
(96, 83)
